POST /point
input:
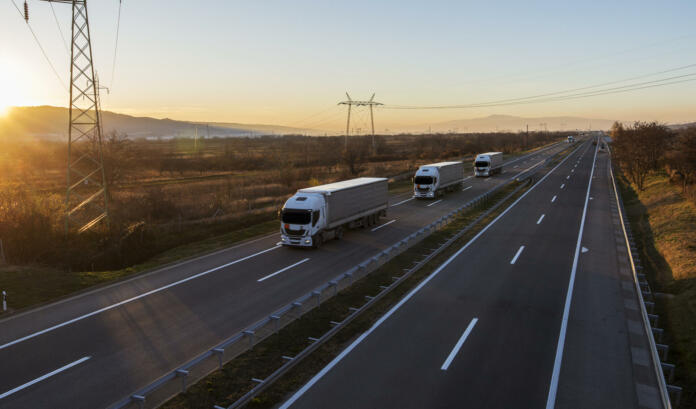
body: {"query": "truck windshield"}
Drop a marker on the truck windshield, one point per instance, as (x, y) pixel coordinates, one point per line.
(423, 180)
(296, 216)
(482, 164)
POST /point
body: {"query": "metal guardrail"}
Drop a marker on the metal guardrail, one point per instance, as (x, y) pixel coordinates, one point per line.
(177, 380)
(642, 288)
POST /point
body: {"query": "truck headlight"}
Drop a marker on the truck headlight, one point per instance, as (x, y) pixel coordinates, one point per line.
(307, 241)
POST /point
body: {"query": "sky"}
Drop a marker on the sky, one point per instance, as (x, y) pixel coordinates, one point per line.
(291, 62)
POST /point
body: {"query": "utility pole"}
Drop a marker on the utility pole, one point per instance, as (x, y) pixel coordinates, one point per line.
(369, 103)
(86, 197)
(526, 142)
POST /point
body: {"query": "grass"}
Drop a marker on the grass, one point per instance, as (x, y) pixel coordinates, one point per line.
(664, 226)
(224, 386)
(29, 286)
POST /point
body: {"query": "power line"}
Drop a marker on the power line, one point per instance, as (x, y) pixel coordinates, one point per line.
(55, 17)
(559, 94)
(118, 26)
(40, 46)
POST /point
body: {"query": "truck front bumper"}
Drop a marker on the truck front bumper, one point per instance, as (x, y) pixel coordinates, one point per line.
(424, 194)
(298, 241)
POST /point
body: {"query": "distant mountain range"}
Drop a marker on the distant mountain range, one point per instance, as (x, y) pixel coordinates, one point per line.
(510, 123)
(52, 123)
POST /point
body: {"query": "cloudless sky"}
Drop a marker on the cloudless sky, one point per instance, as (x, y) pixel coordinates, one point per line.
(290, 62)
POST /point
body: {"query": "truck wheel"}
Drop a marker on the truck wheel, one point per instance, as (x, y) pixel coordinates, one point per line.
(317, 241)
(339, 233)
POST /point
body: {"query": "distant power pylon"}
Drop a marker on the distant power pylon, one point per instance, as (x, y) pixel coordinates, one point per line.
(86, 198)
(370, 103)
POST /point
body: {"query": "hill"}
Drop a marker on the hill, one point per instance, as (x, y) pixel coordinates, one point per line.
(52, 123)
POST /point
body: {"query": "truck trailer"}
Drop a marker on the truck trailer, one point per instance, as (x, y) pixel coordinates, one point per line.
(317, 214)
(432, 180)
(489, 163)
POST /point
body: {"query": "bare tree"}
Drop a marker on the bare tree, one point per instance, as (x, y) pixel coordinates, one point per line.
(682, 156)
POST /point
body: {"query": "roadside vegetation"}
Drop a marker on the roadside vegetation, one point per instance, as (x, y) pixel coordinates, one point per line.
(171, 199)
(658, 187)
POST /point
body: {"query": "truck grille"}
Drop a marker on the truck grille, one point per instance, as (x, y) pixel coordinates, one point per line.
(298, 232)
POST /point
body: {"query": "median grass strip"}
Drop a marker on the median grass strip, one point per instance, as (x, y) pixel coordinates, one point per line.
(664, 227)
(225, 386)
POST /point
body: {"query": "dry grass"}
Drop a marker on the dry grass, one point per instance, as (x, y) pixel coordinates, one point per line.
(670, 221)
(664, 224)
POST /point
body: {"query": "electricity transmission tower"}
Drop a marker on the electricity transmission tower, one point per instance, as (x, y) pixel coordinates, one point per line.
(86, 198)
(370, 103)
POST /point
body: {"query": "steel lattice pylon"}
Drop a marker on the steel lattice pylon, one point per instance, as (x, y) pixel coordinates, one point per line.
(86, 196)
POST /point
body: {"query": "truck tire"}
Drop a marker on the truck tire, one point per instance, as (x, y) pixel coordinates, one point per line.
(339, 233)
(317, 241)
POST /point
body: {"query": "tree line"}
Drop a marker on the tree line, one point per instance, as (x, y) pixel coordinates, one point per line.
(645, 147)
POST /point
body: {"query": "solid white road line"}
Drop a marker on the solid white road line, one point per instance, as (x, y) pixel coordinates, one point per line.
(562, 186)
(283, 269)
(540, 219)
(459, 344)
(467, 188)
(553, 387)
(413, 292)
(41, 378)
(553, 199)
(118, 304)
(517, 254)
(468, 177)
(435, 202)
(402, 202)
(385, 224)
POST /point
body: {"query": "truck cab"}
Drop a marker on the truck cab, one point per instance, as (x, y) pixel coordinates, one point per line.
(487, 164)
(301, 218)
(425, 182)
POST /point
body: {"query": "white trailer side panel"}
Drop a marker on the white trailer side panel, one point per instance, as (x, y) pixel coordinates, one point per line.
(349, 200)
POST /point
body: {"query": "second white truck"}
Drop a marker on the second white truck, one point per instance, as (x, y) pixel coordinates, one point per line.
(489, 163)
(316, 214)
(432, 180)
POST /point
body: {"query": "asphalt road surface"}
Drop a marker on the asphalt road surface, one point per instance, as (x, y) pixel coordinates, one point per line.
(528, 314)
(94, 349)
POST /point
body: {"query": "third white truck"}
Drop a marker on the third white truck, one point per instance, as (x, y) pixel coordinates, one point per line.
(489, 163)
(316, 214)
(432, 180)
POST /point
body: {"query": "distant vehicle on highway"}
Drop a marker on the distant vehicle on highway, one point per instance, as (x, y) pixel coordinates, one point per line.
(571, 139)
(433, 180)
(489, 163)
(316, 214)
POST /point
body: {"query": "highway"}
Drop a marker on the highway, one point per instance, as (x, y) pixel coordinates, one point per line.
(93, 349)
(533, 312)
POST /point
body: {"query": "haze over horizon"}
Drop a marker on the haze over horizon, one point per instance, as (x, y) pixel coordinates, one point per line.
(289, 64)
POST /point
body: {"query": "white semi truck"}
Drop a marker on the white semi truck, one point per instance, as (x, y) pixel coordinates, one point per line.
(432, 180)
(316, 214)
(489, 163)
